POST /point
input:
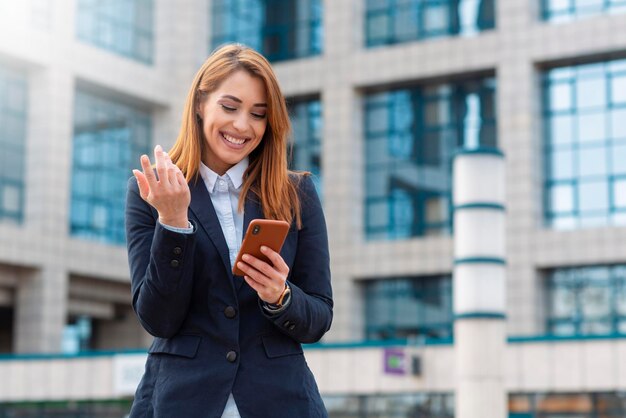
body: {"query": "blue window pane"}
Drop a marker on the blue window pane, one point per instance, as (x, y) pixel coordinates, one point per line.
(585, 144)
(411, 136)
(618, 124)
(561, 129)
(396, 21)
(618, 159)
(124, 27)
(562, 198)
(592, 162)
(279, 29)
(565, 10)
(619, 194)
(561, 164)
(618, 90)
(586, 301)
(592, 127)
(591, 93)
(408, 307)
(13, 117)
(561, 97)
(593, 196)
(109, 137)
(306, 119)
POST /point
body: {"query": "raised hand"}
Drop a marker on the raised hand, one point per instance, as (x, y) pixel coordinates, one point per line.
(169, 194)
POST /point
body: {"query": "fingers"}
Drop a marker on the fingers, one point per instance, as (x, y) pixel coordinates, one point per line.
(161, 164)
(172, 171)
(142, 182)
(181, 178)
(147, 171)
(260, 266)
(258, 276)
(259, 288)
(267, 280)
(276, 259)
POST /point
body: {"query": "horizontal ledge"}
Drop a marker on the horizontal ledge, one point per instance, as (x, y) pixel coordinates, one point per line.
(480, 315)
(480, 260)
(480, 205)
(479, 151)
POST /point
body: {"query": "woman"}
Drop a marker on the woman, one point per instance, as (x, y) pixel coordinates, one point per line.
(227, 346)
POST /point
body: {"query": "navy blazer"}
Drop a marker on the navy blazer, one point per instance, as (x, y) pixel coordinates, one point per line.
(212, 336)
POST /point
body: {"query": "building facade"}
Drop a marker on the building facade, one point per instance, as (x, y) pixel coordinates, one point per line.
(383, 94)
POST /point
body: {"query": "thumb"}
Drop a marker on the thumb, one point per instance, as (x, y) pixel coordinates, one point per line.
(142, 182)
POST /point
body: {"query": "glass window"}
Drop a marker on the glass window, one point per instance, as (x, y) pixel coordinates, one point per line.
(586, 300)
(411, 135)
(77, 335)
(585, 145)
(13, 118)
(124, 27)
(279, 29)
(567, 10)
(571, 405)
(109, 138)
(306, 118)
(67, 409)
(408, 307)
(433, 405)
(396, 21)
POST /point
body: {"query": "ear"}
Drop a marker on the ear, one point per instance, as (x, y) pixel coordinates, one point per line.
(198, 106)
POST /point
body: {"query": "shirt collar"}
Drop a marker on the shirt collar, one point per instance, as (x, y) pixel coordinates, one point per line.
(237, 171)
(235, 174)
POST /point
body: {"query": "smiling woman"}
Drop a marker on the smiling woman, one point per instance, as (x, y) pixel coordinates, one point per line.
(227, 345)
(233, 124)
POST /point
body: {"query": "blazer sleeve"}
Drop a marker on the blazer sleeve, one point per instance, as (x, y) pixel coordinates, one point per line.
(161, 267)
(310, 311)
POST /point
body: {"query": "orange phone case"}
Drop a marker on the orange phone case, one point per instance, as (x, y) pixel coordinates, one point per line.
(260, 232)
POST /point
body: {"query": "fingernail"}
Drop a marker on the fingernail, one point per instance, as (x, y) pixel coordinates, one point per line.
(240, 264)
(264, 248)
(245, 257)
(158, 148)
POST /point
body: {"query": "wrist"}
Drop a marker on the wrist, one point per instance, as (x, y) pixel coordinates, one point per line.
(282, 298)
(179, 222)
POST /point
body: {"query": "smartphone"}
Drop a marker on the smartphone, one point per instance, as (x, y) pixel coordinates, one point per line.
(260, 232)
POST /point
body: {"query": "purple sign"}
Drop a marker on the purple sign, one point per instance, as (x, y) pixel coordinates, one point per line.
(395, 361)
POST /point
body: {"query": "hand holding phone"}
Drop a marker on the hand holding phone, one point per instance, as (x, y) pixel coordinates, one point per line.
(261, 232)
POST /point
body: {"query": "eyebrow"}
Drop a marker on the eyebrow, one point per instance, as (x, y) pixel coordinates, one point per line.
(235, 99)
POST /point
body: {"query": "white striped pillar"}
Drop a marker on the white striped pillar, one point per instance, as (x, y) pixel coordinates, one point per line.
(479, 283)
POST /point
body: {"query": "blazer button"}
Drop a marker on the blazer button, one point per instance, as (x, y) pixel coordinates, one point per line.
(174, 263)
(231, 356)
(286, 324)
(177, 251)
(230, 312)
(292, 327)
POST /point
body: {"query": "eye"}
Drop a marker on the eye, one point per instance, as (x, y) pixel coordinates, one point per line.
(258, 115)
(228, 108)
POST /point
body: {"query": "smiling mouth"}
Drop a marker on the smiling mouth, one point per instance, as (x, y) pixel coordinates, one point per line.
(233, 140)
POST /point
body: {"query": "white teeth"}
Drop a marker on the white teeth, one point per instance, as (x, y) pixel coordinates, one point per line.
(234, 140)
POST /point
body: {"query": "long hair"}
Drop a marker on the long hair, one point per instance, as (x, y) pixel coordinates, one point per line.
(267, 175)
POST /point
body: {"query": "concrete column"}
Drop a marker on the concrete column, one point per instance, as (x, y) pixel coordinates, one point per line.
(40, 311)
(479, 284)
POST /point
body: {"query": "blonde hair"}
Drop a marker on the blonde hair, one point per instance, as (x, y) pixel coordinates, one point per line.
(267, 175)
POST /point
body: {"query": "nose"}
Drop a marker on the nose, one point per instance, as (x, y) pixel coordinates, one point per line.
(241, 122)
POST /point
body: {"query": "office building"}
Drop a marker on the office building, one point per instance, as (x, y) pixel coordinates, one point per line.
(383, 95)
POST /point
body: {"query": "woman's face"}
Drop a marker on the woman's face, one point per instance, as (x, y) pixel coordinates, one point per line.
(234, 118)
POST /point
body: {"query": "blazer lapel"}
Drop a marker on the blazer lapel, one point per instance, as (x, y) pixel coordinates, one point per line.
(203, 209)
